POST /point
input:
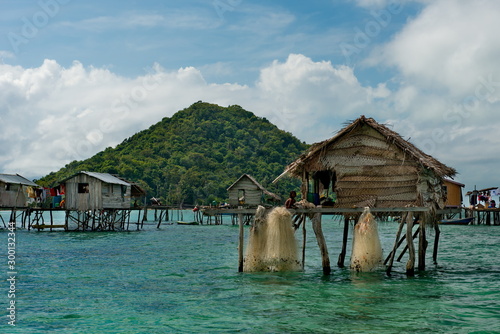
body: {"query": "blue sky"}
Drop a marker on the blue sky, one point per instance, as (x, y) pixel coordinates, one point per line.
(79, 76)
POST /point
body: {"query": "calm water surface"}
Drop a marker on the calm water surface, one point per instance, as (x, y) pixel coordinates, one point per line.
(184, 279)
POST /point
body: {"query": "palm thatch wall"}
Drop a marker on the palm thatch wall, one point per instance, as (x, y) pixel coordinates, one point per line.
(367, 164)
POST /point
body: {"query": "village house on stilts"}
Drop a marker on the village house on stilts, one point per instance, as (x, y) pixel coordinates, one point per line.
(366, 164)
(15, 193)
(98, 201)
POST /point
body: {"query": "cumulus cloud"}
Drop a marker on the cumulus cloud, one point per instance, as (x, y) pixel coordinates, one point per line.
(451, 46)
(448, 83)
(51, 115)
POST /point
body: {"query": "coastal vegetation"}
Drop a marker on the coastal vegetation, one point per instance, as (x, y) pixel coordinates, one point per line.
(195, 155)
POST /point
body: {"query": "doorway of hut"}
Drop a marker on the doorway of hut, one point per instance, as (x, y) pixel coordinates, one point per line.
(321, 188)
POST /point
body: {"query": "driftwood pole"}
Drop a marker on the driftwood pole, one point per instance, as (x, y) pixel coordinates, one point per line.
(316, 223)
(340, 262)
(410, 265)
(240, 243)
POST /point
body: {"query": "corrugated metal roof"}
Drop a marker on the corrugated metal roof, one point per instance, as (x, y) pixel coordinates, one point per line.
(107, 178)
(17, 179)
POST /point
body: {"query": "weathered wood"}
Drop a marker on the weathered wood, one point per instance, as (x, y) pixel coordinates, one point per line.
(398, 234)
(240, 243)
(341, 260)
(303, 221)
(318, 231)
(405, 249)
(437, 232)
(410, 265)
(422, 243)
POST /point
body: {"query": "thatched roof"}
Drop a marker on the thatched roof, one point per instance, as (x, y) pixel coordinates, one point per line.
(318, 150)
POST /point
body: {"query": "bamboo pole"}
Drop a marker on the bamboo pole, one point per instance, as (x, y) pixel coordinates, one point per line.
(240, 243)
(410, 265)
(316, 223)
(340, 262)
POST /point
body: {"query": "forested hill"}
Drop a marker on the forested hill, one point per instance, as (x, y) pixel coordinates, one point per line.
(194, 156)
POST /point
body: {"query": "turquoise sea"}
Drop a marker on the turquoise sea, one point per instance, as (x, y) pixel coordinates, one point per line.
(184, 279)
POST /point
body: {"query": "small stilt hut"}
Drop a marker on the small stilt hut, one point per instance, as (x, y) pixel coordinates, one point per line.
(14, 190)
(366, 164)
(246, 191)
(97, 201)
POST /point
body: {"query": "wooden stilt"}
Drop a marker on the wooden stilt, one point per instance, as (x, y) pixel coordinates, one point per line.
(405, 249)
(303, 220)
(159, 220)
(51, 218)
(403, 238)
(340, 262)
(398, 234)
(422, 243)
(437, 232)
(138, 219)
(316, 223)
(410, 265)
(66, 226)
(240, 243)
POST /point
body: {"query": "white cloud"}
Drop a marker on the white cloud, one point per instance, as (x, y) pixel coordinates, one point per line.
(451, 46)
(447, 83)
(52, 115)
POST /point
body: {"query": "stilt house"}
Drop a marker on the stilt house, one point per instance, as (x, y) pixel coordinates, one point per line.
(246, 191)
(368, 164)
(13, 190)
(93, 191)
(453, 190)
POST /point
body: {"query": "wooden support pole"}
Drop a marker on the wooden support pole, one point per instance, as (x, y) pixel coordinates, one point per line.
(403, 238)
(159, 220)
(340, 262)
(240, 243)
(406, 246)
(398, 234)
(410, 265)
(437, 232)
(138, 219)
(316, 223)
(51, 218)
(422, 243)
(303, 220)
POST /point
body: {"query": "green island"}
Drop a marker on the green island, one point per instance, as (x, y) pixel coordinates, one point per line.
(194, 156)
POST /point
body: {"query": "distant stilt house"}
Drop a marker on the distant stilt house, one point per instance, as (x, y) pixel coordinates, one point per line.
(246, 191)
(15, 190)
(367, 164)
(93, 191)
(453, 191)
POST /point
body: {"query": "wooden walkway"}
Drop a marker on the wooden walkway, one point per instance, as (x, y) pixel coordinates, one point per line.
(92, 220)
(408, 216)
